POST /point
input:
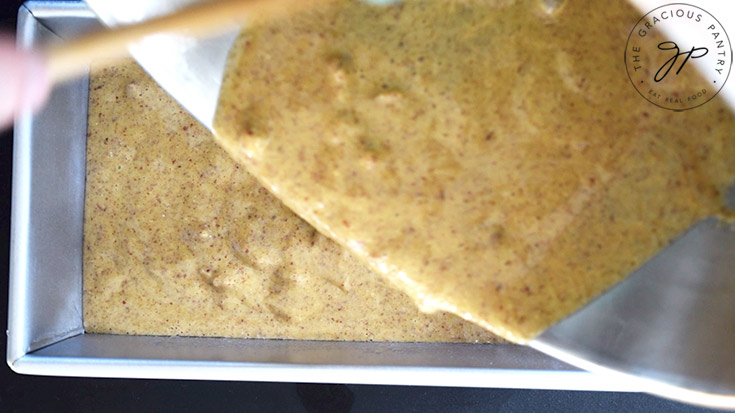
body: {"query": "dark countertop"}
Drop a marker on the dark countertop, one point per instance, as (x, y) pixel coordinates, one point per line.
(29, 393)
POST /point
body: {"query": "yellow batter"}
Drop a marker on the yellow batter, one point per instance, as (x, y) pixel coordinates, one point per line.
(489, 156)
(180, 240)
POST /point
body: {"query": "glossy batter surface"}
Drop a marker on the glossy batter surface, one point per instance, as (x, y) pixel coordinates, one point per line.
(180, 240)
(490, 157)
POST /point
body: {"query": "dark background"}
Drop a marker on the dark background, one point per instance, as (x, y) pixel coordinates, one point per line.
(30, 393)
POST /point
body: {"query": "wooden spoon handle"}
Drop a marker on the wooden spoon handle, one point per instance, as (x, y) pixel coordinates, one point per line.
(69, 59)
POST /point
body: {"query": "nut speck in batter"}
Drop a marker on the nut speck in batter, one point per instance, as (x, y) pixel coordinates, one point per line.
(180, 240)
(489, 156)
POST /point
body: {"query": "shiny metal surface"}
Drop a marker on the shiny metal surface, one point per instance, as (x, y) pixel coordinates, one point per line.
(670, 325)
(47, 210)
(425, 364)
(45, 333)
(667, 330)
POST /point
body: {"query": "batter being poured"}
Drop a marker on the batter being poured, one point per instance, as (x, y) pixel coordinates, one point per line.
(488, 156)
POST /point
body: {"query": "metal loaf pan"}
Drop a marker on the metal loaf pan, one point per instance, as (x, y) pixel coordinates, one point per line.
(45, 331)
